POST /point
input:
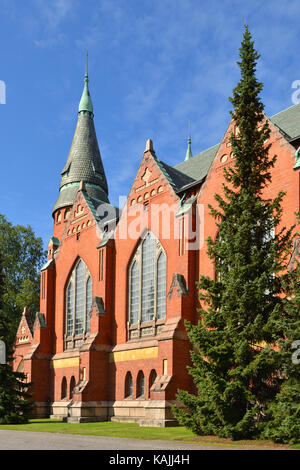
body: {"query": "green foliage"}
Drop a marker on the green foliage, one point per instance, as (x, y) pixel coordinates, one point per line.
(284, 423)
(236, 369)
(22, 257)
(284, 412)
(15, 406)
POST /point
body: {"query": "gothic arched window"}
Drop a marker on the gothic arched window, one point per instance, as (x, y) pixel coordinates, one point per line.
(140, 386)
(128, 385)
(78, 300)
(147, 283)
(161, 286)
(134, 292)
(72, 385)
(152, 378)
(64, 389)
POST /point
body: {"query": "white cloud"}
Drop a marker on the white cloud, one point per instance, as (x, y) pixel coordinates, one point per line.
(50, 16)
(54, 12)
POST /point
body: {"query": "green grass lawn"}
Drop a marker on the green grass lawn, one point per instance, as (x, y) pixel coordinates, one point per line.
(134, 431)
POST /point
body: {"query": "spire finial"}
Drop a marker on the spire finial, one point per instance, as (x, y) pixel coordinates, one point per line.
(189, 154)
(85, 105)
(86, 67)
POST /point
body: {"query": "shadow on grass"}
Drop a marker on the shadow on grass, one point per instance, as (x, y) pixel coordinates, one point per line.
(45, 421)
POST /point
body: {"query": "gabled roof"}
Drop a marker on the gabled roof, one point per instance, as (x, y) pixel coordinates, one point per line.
(176, 178)
(196, 168)
(27, 318)
(94, 203)
(288, 121)
(190, 171)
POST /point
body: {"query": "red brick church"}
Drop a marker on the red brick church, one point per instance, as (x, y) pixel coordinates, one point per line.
(109, 342)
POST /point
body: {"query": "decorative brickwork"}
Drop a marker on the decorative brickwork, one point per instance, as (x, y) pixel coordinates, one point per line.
(85, 377)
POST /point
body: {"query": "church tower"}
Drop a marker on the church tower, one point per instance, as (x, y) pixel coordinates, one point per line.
(84, 160)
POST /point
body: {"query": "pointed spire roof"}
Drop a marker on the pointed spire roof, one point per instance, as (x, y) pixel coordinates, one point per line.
(189, 154)
(84, 160)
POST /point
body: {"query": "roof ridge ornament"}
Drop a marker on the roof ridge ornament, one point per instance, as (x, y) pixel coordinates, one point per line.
(149, 146)
(81, 186)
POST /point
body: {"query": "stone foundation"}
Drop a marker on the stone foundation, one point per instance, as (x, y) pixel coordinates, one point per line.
(153, 413)
(41, 410)
(158, 414)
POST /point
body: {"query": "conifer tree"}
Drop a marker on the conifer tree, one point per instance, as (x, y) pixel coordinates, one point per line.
(235, 364)
(15, 404)
(284, 412)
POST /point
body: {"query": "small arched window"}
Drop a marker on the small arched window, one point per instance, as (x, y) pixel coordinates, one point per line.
(64, 389)
(72, 385)
(152, 378)
(67, 213)
(78, 300)
(128, 385)
(21, 366)
(140, 389)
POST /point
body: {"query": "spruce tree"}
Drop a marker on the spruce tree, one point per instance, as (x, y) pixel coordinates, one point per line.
(284, 412)
(15, 404)
(235, 364)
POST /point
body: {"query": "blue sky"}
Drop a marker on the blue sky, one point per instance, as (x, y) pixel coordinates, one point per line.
(153, 66)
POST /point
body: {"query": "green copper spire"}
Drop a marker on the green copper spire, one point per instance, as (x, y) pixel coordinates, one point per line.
(189, 154)
(84, 168)
(86, 105)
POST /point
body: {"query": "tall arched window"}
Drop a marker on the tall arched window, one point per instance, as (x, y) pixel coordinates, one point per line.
(148, 277)
(78, 301)
(161, 286)
(79, 298)
(70, 308)
(134, 292)
(88, 301)
(147, 285)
